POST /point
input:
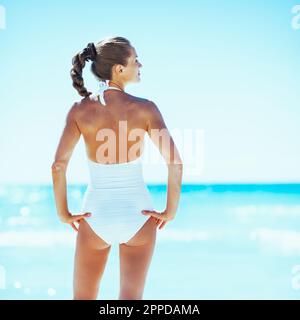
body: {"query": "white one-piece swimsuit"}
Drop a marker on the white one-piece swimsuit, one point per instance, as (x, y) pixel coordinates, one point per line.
(116, 194)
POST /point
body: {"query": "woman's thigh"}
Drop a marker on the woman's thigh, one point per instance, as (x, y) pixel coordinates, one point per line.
(90, 259)
(135, 259)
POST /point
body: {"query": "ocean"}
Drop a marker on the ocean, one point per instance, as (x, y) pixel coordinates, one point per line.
(227, 241)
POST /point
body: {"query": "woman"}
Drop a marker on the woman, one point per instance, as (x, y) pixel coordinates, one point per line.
(116, 194)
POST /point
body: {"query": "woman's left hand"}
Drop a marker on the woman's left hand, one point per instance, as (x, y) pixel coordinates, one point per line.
(161, 217)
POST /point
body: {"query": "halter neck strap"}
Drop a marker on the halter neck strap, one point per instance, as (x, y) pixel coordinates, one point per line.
(102, 87)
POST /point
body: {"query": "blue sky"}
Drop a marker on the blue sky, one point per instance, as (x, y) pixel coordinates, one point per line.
(229, 68)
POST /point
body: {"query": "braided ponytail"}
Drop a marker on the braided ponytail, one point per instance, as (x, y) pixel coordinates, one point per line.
(78, 62)
(104, 56)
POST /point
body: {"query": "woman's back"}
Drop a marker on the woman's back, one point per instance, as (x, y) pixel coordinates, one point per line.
(113, 133)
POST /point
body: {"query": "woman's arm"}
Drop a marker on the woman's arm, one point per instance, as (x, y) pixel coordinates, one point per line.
(68, 140)
(157, 128)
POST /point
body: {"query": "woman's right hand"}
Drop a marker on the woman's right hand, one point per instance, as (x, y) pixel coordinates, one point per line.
(72, 218)
(161, 217)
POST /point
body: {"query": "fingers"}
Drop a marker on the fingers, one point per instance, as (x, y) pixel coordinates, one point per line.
(163, 223)
(81, 216)
(87, 214)
(151, 213)
(160, 223)
(73, 226)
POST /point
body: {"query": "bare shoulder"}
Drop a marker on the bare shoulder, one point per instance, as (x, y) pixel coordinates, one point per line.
(80, 106)
(151, 114)
(152, 111)
(151, 107)
(145, 105)
(72, 112)
(136, 100)
(141, 105)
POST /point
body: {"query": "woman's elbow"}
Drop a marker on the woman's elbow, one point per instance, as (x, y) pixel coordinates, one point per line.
(58, 166)
(177, 163)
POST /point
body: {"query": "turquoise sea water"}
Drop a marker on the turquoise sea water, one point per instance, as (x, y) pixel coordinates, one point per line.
(226, 242)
